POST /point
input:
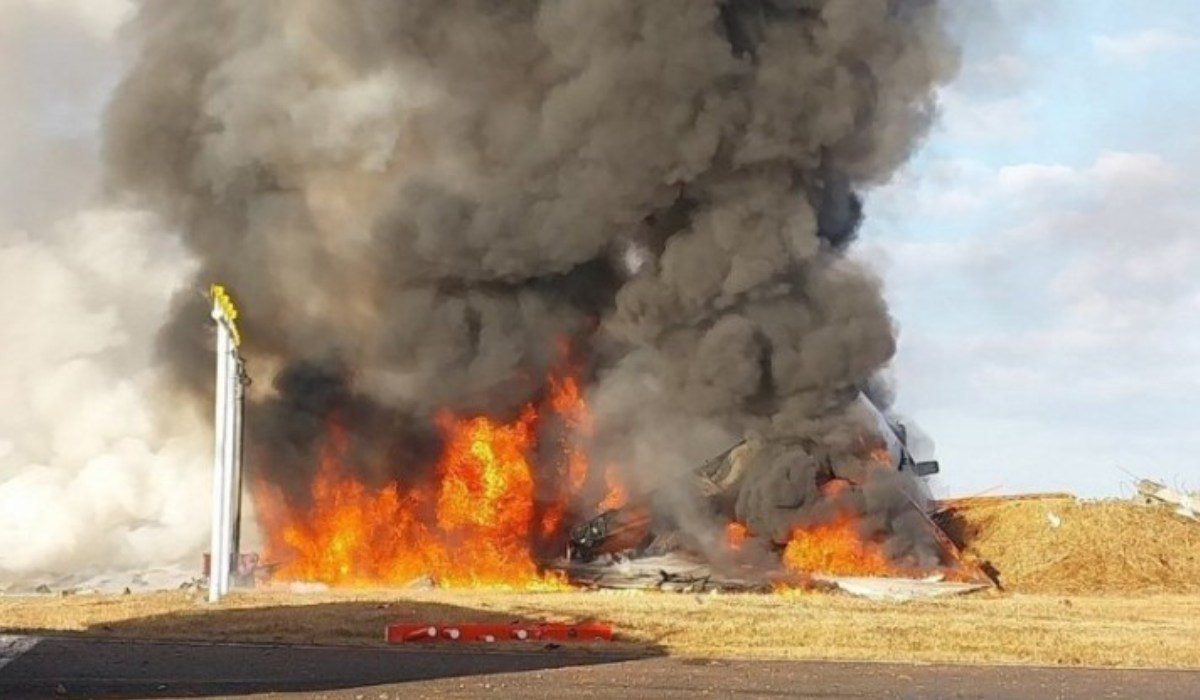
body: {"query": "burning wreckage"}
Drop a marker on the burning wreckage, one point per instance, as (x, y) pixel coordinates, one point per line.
(669, 188)
(643, 545)
(500, 508)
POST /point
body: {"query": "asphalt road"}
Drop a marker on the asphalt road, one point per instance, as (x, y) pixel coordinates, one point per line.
(89, 667)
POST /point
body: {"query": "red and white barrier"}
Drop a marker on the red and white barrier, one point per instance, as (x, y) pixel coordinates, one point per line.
(408, 632)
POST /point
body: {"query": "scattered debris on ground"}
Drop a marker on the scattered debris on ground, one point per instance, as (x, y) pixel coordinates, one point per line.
(1152, 493)
(672, 571)
(163, 578)
(497, 632)
(900, 590)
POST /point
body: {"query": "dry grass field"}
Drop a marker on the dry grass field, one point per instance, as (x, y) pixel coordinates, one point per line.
(1159, 631)
(1095, 584)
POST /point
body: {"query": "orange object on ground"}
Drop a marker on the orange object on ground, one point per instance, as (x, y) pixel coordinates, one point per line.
(407, 632)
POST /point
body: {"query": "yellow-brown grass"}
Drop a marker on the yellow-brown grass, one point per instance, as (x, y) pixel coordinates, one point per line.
(995, 628)
(1113, 584)
(1098, 547)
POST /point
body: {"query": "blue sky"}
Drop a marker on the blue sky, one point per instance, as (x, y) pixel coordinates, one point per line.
(1041, 251)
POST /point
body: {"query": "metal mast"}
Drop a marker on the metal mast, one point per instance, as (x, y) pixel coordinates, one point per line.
(227, 458)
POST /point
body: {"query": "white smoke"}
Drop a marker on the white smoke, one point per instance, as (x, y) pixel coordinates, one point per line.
(85, 479)
(95, 471)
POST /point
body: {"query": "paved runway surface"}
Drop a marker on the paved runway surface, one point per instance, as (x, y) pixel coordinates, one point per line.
(85, 667)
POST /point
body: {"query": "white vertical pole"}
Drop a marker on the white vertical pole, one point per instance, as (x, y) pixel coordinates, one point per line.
(235, 510)
(218, 555)
(230, 443)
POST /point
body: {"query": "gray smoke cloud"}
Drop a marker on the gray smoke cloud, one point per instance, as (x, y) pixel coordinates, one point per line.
(415, 201)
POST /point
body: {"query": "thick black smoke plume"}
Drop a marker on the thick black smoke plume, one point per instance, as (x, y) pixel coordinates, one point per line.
(416, 201)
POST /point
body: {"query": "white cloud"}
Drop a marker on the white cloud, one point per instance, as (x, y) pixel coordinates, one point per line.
(1003, 73)
(1004, 120)
(1072, 308)
(1138, 48)
(1029, 178)
(1048, 308)
(943, 188)
(1141, 171)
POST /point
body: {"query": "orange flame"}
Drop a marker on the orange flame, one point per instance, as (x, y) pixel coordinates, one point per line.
(880, 457)
(485, 507)
(477, 521)
(616, 494)
(473, 532)
(840, 548)
(474, 524)
(736, 534)
(566, 400)
(836, 548)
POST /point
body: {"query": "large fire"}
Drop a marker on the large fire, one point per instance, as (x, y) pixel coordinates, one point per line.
(836, 548)
(487, 509)
(475, 524)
